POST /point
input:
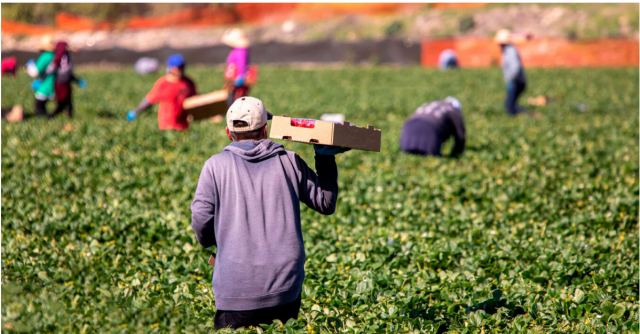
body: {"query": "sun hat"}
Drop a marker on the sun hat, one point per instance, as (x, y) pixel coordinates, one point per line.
(175, 60)
(249, 110)
(46, 43)
(235, 38)
(503, 36)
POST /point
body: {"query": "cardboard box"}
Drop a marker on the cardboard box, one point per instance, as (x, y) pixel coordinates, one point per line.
(205, 106)
(312, 131)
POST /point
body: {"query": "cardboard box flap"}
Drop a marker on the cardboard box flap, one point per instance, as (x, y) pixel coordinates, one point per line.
(204, 106)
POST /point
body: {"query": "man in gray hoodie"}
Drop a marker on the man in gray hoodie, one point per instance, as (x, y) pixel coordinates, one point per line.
(247, 204)
(512, 70)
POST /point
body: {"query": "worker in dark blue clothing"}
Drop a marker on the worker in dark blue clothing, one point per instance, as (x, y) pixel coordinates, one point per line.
(431, 125)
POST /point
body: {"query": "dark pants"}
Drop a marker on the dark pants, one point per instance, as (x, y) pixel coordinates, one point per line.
(237, 319)
(62, 105)
(237, 92)
(514, 90)
(41, 107)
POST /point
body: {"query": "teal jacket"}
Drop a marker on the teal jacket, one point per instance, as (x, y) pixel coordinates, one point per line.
(47, 87)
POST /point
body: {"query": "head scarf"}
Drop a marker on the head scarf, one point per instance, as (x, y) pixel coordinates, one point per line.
(60, 51)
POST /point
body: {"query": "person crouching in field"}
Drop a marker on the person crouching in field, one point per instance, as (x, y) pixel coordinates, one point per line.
(63, 68)
(237, 69)
(512, 70)
(170, 91)
(431, 125)
(247, 204)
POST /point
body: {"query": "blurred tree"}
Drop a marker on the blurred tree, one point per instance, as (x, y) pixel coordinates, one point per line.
(466, 23)
(394, 29)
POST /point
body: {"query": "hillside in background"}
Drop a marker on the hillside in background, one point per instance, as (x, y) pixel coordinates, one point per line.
(110, 25)
(283, 33)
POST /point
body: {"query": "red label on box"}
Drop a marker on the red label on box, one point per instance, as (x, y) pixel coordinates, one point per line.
(303, 122)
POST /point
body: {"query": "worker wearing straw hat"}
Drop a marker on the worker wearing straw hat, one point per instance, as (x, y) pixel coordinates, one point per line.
(44, 84)
(237, 69)
(513, 71)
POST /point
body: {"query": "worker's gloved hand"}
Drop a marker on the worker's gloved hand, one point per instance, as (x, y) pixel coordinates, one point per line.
(82, 83)
(131, 115)
(239, 81)
(329, 150)
(36, 84)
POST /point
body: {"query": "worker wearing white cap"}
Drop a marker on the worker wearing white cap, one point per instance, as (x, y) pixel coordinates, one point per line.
(513, 71)
(237, 69)
(247, 204)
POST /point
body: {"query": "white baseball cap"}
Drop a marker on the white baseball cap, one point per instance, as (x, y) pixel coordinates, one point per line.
(249, 110)
(454, 102)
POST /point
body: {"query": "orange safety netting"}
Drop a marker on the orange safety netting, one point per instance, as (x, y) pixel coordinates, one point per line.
(544, 52)
(71, 22)
(191, 16)
(212, 16)
(17, 28)
(278, 12)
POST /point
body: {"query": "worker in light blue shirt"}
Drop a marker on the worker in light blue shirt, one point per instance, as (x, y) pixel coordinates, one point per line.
(512, 70)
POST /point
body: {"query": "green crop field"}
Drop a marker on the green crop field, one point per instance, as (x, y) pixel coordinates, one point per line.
(534, 229)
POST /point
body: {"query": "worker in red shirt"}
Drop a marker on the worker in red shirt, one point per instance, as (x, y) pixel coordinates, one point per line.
(170, 91)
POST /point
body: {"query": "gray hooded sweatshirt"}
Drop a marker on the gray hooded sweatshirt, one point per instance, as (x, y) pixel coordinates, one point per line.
(247, 203)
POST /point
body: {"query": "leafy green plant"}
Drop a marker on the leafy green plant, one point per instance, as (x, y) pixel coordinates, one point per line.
(534, 229)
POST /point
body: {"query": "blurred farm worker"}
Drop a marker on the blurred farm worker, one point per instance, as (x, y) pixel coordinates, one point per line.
(247, 204)
(44, 85)
(9, 65)
(146, 65)
(448, 60)
(63, 69)
(431, 125)
(512, 70)
(170, 91)
(238, 74)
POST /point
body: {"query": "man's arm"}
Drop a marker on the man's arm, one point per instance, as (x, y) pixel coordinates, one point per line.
(142, 106)
(203, 209)
(133, 113)
(459, 134)
(151, 98)
(319, 191)
(42, 63)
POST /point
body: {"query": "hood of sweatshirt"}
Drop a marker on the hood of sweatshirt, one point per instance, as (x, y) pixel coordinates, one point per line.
(255, 150)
